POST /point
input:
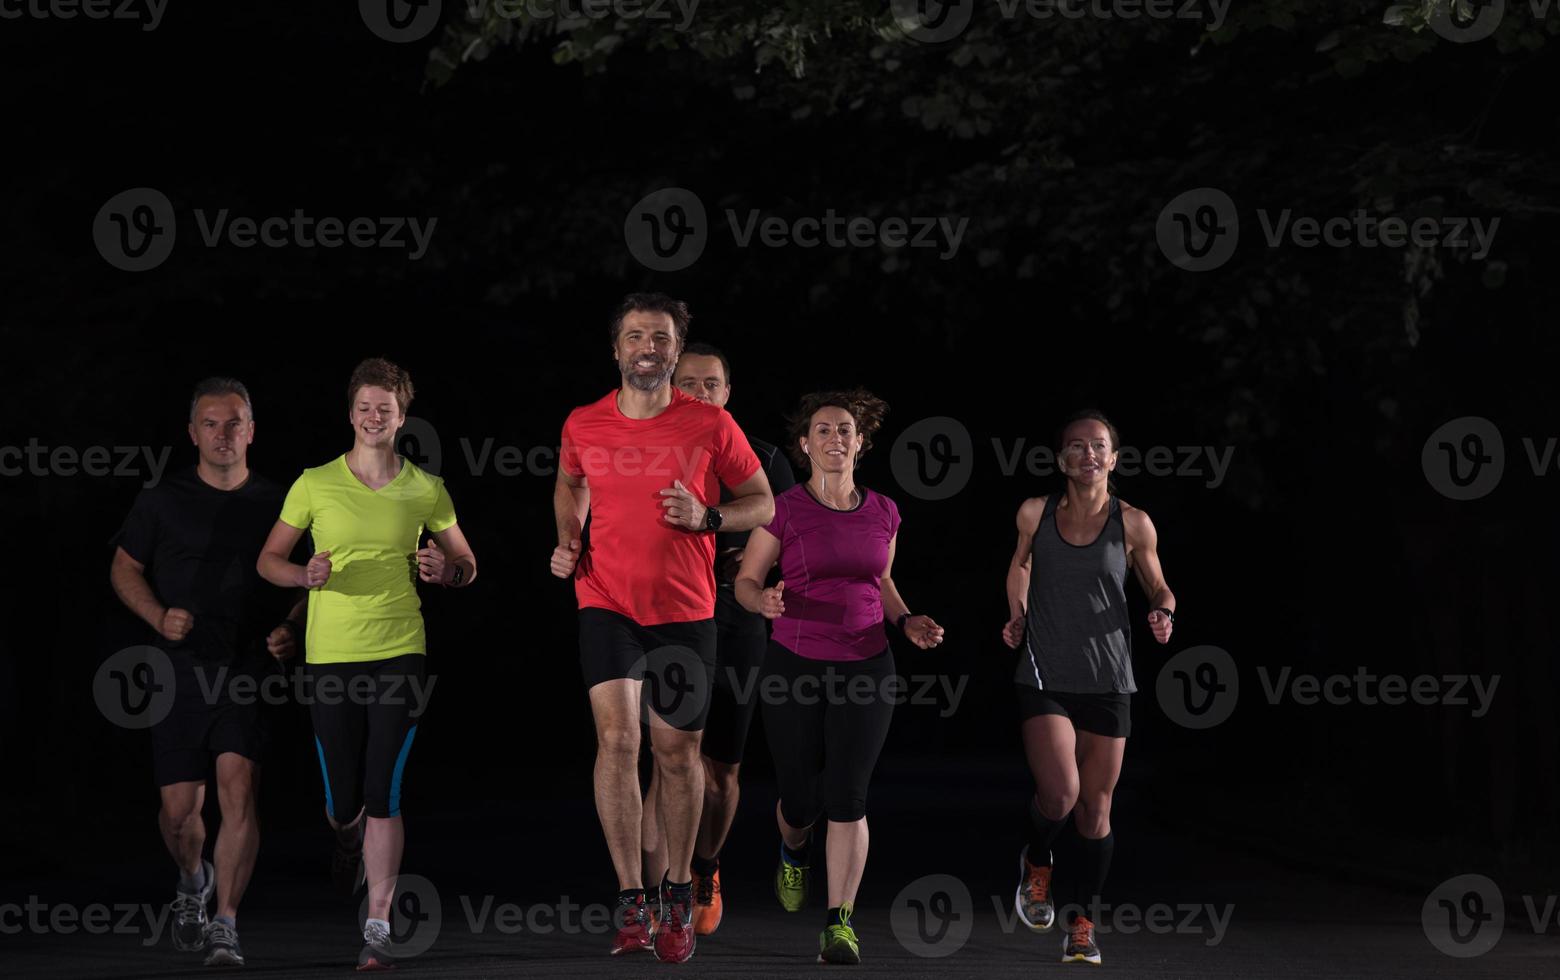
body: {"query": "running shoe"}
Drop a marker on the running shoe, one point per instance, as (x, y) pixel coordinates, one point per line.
(634, 929)
(1033, 899)
(377, 954)
(222, 941)
(707, 905)
(792, 883)
(1078, 946)
(189, 913)
(838, 944)
(674, 937)
(347, 870)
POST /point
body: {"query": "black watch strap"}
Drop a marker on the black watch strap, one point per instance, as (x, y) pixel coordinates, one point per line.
(712, 519)
(1169, 613)
(900, 622)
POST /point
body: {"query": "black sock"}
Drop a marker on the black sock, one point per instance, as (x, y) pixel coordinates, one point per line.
(833, 918)
(1093, 864)
(1040, 833)
(704, 867)
(631, 896)
(797, 857)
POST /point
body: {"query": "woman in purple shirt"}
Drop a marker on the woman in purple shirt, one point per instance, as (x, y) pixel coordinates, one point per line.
(828, 683)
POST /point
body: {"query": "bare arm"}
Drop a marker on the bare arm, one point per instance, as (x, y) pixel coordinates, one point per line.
(1018, 570)
(275, 564)
(449, 561)
(1143, 559)
(920, 630)
(571, 504)
(760, 555)
(128, 578)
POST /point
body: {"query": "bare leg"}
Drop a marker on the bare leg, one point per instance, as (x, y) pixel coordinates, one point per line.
(238, 839)
(615, 707)
(652, 834)
(179, 819)
(383, 841)
(681, 793)
(720, 806)
(846, 846)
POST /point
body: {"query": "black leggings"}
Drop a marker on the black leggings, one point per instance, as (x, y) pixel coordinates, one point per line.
(826, 725)
(363, 728)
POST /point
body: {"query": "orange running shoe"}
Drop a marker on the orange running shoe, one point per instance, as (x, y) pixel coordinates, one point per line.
(1079, 946)
(707, 906)
(1033, 900)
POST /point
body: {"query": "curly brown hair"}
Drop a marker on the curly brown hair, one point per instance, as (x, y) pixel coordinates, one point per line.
(380, 373)
(865, 408)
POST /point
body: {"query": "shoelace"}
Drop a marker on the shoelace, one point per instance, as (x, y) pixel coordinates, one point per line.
(221, 934)
(632, 914)
(187, 908)
(704, 890)
(673, 914)
(1082, 931)
(376, 936)
(1038, 883)
(792, 874)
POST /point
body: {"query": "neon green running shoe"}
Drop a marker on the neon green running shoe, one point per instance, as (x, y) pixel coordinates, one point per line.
(792, 882)
(838, 944)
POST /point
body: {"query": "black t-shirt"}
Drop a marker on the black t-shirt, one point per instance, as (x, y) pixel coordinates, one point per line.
(781, 478)
(199, 545)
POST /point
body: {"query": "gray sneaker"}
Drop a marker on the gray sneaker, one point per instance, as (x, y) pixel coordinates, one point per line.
(1033, 899)
(222, 941)
(376, 953)
(189, 913)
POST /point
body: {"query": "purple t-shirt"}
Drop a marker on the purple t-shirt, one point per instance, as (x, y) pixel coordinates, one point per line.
(832, 562)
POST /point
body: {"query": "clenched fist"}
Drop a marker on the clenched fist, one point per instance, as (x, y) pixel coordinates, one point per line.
(565, 557)
(317, 572)
(176, 624)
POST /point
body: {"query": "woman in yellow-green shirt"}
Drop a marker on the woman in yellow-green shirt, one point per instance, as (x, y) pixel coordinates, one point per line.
(366, 512)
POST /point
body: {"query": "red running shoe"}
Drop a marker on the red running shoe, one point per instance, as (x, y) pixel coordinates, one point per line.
(633, 926)
(675, 938)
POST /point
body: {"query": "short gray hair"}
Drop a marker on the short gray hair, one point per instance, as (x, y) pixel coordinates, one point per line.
(221, 386)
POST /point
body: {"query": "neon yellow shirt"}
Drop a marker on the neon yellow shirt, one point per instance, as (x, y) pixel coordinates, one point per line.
(369, 608)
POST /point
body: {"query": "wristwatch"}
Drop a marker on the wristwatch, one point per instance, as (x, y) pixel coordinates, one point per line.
(712, 519)
(900, 622)
(1169, 613)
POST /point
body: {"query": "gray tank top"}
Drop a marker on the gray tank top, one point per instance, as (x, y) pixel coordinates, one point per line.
(1080, 634)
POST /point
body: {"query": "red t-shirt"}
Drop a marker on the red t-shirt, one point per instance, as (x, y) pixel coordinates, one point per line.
(638, 565)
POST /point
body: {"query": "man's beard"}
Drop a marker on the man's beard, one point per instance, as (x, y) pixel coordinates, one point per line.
(647, 382)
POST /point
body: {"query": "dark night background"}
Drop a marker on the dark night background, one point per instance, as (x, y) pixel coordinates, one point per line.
(1325, 370)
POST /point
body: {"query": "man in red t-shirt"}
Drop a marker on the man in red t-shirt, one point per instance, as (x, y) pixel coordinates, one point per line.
(642, 462)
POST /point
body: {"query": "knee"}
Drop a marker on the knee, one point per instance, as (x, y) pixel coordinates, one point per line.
(1092, 815)
(619, 743)
(237, 799)
(1055, 802)
(846, 811)
(677, 758)
(181, 816)
(720, 782)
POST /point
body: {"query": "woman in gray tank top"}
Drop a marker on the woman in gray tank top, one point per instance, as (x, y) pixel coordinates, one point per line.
(1068, 618)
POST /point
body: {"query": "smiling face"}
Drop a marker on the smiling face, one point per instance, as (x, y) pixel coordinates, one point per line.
(1087, 454)
(376, 417)
(222, 430)
(646, 349)
(832, 441)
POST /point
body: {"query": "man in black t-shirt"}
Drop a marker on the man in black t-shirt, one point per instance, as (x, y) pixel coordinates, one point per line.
(741, 638)
(185, 564)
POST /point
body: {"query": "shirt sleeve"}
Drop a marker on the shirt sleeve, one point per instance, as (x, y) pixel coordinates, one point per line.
(782, 513)
(443, 516)
(297, 508)
(893, 517)
(138, 536)
(569, 450)
(735, 462)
